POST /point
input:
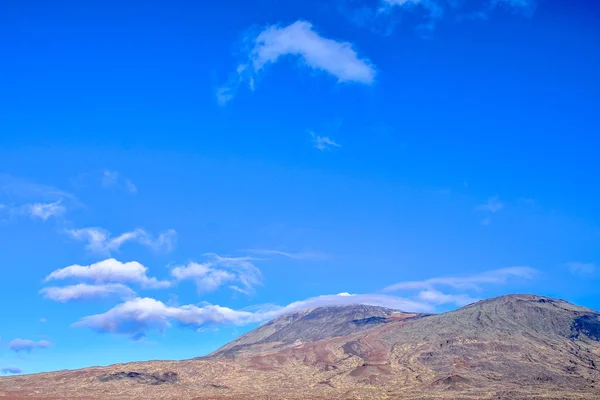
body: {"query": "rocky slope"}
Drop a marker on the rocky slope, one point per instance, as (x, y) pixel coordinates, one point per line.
(310, 326)
(513, 347)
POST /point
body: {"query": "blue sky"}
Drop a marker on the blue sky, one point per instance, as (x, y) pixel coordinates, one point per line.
(174, 173)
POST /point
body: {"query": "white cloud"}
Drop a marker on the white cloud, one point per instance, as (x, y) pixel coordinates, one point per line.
(18, 345)
(429, 290)
(305, 255)
(579, 268)
(45, 210)
(100, 241)
(139, 315)
(437, 297)
(109, 271)
(493, 205)
(83, 291)
(323, 142)
(217, 271)
(397, 303)
(473, 282)
(300, 40)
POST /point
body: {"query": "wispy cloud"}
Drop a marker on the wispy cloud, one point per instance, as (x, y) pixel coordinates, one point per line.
(579, 268)
(46, 210)
(497, 276)
(323, 142)
(402, 2)
(524, 6)
(84, 291)
(41, 211)
(130, 186)
(34, 200)
(18, 345)
(437, 297)
(20, 188)
(11, 371)
(434, 9)
(492, 205)
(431, 12)
(437, 9)
(227, 91)
(109, 271)
(100, 241)
(137, 316)
(113, 179)
(109, 178)
(207, 279)
(238, 272)
(341, 299)
(303, 255)
(300, 40)
(429, 289)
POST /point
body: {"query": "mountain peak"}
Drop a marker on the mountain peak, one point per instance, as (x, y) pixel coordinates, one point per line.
(309, 326)
(529, 300)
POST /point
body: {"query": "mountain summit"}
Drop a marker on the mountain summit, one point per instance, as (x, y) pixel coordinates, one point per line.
(310, 326)
(506, 348)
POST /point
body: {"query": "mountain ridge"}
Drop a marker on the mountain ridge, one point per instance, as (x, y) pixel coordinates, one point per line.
(311, 325)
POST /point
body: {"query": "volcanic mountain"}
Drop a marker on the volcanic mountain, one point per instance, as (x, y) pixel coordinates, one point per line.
(310, 326)
(512, 347)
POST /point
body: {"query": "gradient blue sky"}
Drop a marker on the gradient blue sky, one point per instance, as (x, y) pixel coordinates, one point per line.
(267, 157)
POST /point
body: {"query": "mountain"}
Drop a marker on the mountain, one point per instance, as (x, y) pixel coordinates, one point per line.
(511, 347)
(310, 326)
